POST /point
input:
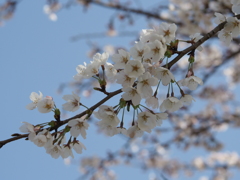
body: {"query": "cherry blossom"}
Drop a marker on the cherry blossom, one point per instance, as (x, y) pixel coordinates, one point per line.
(187, 99)
(146, 121)
(107, 116)
(121, 59)
(160, 117)
(233, 25)
(101, 59)
(40, 140)
(92, 68)
(108, 129)
(170, 104)
(55, 151)
(131, 94)
(152, 102)
(134, 131)
(35, 98)
(157, 50)
(219, 18)
(168, 31)
(139, 50)
(191, 82)
(78, 146)
(225, 36)
(73, 102)
(111, 72)
(45, 105)
(124, 79)
(144, 84)
(164, 75)
(28, 128)
(66, 151)
(81, 72)
(78, 126)
(134, 69)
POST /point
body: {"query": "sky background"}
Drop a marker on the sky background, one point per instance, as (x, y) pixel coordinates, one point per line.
(38, 55)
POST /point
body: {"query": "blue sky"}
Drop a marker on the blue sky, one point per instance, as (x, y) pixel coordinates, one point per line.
(37, 55)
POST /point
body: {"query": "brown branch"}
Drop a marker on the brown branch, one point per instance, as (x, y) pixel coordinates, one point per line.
(132, 10)
(201, 41)
(59, 124)
(2, 143)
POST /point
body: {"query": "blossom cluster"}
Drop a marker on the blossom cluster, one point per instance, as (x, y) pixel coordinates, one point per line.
(141, 74)
(232, 27)
(138, 71)
(55, 144)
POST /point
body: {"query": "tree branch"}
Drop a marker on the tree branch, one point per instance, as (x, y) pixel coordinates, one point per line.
(201, 41)
(2, 143)
(132, 10)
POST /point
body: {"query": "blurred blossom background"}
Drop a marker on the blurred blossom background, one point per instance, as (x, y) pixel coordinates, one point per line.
(42, 42)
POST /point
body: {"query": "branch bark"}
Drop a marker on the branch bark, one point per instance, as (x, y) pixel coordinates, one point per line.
(201, 41)
(2, 143)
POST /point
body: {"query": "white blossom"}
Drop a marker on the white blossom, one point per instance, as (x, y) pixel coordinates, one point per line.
(157, 50)
(134, 131)
(110, 71)
(236, 9)
(170, 104)
(168, 31)
(55, 151)
(124, 79)
(66, 151)
(28, 128)
(160, 117)
(152, 102)
(131, 94)
(220, 18)
(49, 138)
(40, 140)
(187, 99)
(191, 82)
(236, 6)
(144, 84)
(92, 68)
(233, 25)
(121, 59)
(138, 50)
(134, 68)
(78, 146)
(164, 75)
(149, 35)
(146, 121)
(81, 72)
(225, 36)
(122, 131)
(78, 126)
(101, 59)
(72, 103)
(108, 129)
(45, 105)
(107, 116)
(35, 98)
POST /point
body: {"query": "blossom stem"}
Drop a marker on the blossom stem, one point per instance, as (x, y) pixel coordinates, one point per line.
(155, 93)
(121, 124)
(83, 105)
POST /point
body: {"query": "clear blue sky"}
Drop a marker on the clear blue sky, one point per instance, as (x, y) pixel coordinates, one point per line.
(37, 54)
